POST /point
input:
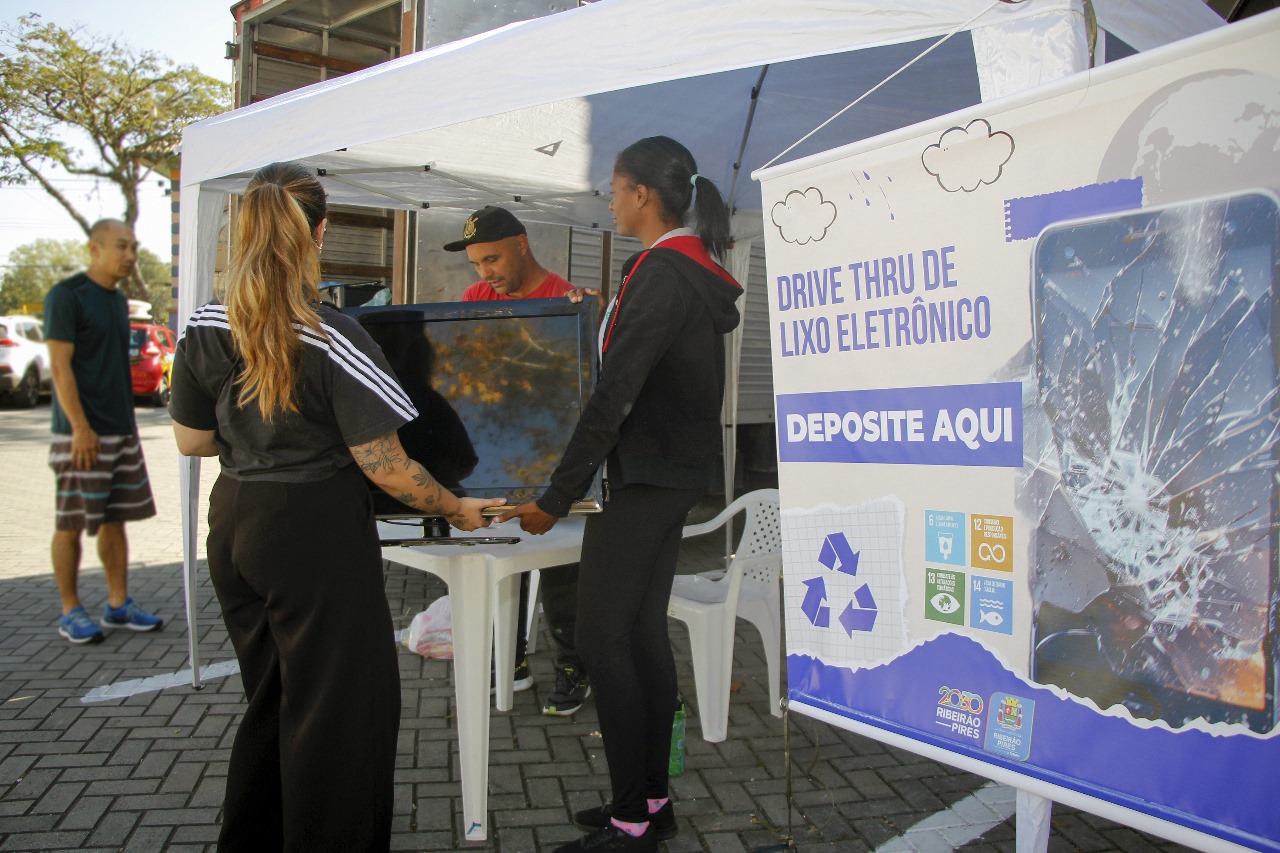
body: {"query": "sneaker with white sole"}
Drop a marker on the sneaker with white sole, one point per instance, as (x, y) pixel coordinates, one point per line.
(77, 626)
(572, 687)
(130, 615)
(521, 678)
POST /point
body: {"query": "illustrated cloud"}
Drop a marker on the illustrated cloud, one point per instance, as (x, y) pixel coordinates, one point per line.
(965, 158)
(803, 216)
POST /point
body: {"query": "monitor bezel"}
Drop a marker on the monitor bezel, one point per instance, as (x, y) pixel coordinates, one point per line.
(585, 311)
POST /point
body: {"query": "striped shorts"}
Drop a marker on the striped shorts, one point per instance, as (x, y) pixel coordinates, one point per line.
(116, 489)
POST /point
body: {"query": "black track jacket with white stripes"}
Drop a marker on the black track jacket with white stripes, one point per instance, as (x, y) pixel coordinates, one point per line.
(346, 393)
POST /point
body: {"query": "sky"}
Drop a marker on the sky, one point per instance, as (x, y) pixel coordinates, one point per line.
(190, 32)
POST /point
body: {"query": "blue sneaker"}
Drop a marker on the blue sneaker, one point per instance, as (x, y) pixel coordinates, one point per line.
(77, 627)
(131, 616)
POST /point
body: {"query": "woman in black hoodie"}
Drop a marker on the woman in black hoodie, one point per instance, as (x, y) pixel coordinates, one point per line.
(653, 422)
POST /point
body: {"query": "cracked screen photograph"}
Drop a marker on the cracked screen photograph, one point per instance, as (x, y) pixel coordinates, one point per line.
(1152, 463)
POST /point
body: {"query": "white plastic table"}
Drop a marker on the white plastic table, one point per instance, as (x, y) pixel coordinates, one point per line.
(484, 599)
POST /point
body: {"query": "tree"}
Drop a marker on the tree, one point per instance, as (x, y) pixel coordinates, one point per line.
(158, 275)
(37, 266)
(94, 107)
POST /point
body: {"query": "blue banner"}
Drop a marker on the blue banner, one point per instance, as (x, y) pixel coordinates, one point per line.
(979, 425)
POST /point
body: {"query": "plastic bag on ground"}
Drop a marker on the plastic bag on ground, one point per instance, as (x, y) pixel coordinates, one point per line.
(431, 632)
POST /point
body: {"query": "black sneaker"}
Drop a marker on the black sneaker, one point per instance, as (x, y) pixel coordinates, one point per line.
(609, 838)
(662, 823)
(572, 686)
(521, 679)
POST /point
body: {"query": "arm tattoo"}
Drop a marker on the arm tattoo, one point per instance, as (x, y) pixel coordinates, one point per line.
(378, 455)
(382, 459)
(432, 494)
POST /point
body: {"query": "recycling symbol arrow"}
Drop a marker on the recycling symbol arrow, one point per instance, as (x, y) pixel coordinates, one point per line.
(862, 617)
(860, 612)
(819, 613)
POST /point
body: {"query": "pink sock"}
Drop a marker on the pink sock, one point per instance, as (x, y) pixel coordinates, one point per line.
(656, 805)
(635, 830)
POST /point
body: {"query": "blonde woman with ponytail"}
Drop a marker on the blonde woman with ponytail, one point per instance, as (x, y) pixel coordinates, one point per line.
(299, 405)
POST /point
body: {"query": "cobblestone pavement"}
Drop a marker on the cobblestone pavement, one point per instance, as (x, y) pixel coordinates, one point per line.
(147, 772)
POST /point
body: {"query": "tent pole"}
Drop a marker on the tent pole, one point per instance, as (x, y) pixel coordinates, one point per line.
(189, 475)
(738, 263)
(746, 131)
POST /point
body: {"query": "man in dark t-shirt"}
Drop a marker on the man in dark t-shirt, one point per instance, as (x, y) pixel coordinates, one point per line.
(95, 453)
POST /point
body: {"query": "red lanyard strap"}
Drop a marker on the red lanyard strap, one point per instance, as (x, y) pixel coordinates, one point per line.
(617, 303)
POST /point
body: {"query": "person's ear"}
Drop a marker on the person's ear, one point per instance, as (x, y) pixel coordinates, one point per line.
(318, 233)
(642, 195)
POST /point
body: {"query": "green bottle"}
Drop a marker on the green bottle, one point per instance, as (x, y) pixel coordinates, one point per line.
(675, 765)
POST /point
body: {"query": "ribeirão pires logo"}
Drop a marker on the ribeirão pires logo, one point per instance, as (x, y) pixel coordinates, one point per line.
(1010, 713)
(859, 613)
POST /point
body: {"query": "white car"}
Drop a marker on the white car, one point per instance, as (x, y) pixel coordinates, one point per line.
(24, 361)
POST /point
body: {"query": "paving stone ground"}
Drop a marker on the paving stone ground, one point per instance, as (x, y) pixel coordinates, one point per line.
(146, 773)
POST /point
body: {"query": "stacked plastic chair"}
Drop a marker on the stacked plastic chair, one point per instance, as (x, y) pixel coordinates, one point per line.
(711, 603)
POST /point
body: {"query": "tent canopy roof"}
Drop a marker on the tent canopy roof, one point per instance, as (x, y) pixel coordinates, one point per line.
(532, 114)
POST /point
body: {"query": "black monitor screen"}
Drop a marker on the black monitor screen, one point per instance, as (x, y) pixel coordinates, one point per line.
(499, 387)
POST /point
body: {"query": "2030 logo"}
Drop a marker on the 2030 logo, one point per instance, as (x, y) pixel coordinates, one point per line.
(961, 700)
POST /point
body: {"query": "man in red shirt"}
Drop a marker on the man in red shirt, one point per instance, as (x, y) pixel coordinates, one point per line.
(497, 245)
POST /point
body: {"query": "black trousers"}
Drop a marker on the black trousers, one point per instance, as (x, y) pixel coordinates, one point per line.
(560, 606)
(559, 593)
(629, 554)
(298, 571)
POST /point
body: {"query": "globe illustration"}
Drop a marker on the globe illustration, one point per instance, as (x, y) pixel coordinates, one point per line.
(1207, 134)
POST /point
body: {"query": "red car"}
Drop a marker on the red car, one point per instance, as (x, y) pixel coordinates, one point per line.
(151, 361)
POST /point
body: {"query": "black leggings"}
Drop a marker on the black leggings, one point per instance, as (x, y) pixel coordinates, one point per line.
(629, 556)
(298, 571)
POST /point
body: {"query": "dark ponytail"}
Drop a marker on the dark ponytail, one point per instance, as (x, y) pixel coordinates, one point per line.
(667, 168)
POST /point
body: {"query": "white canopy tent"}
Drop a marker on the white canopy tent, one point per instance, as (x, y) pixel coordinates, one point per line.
(536, 110)
(531, 115)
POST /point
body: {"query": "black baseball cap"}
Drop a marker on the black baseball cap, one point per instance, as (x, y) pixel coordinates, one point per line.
(485, 226)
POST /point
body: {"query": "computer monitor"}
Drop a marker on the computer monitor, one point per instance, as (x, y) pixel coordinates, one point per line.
(499, 387)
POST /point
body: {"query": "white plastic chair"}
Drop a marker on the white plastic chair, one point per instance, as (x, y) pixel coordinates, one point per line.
(710, 604)
(533, 614)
